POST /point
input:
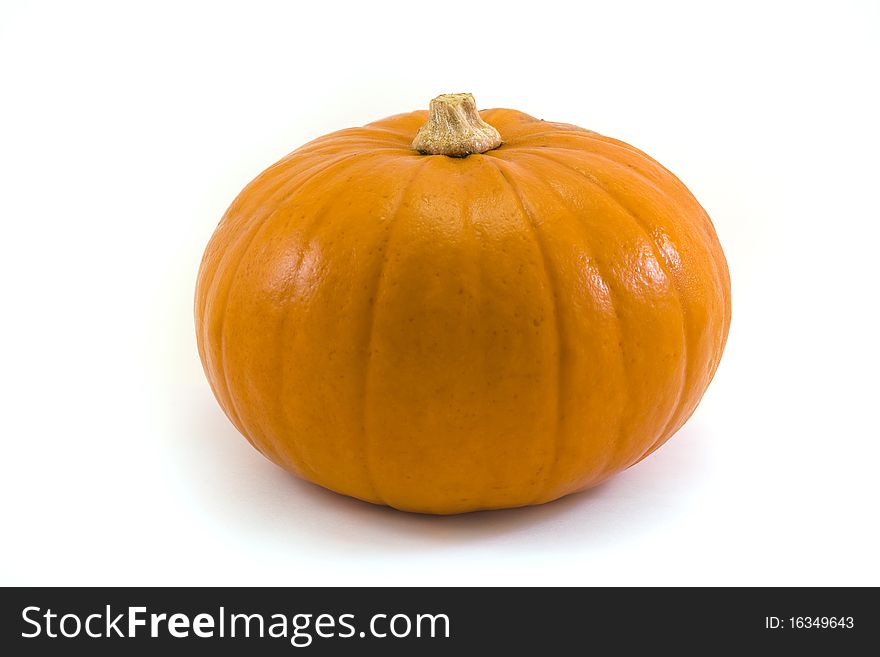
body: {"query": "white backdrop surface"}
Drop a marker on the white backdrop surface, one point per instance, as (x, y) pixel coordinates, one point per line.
(126, 130)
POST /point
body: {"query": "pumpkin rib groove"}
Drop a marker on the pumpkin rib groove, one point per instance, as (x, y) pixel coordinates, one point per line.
(362, 141)
(622, 146)
(212, 291)
(371, 326)
(327, 149)
(685, 323)
(719, 266)
(722, 342)
(313, 222)
(676, 407)
(271, 196)
(521, 141)
(279, 176)
(719, 263)
(268, 445)
(281, 334)
(551, 287)
(634, 170)
(339, 143)
(638, 172)
(241, 254)
(511, 127)
(589, 135)
(406, 134)
(211, 283)
(468, 220)
(715, 256)
(610, 297)
(213, 259)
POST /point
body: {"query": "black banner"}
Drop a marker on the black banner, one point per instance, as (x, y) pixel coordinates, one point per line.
(408, 621)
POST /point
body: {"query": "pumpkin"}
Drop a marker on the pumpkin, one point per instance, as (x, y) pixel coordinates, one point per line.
(455, 310)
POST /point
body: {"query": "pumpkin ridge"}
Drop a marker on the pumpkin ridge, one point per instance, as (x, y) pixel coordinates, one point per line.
(371, 326)
(726, 314)
(468, 221)
(610, 295)
(719, 265)
(334, 139)
(521, 141)
(212, 283)
(716, 256)
(676, 408)
(207, 269)
(638, 172)
(284, 182)
(589, 135)
(282, 337)
(404, 133)
(629, 150)
(222, 360)
(511, 123)
(356, 141)
(312, 223)
(551, 286)
(267, 445)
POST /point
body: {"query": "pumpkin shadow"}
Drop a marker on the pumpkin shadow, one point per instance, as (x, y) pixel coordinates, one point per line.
(390, 525)
(237, 486)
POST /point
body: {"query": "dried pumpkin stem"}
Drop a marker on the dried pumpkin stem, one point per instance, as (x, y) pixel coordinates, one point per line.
(454, 128)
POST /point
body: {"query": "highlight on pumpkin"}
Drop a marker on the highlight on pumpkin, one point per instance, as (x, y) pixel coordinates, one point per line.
(388, 317)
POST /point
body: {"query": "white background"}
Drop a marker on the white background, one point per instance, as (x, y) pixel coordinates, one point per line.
(125, 132)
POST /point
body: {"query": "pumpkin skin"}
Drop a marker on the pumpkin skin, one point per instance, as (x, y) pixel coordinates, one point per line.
(444, 334)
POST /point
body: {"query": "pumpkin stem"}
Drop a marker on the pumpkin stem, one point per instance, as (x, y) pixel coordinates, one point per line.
(454, 128)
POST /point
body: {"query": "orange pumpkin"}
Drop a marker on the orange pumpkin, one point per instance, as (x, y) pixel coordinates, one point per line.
(499, 313)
